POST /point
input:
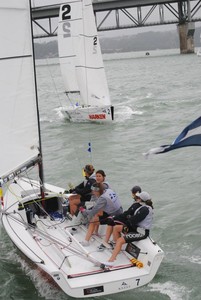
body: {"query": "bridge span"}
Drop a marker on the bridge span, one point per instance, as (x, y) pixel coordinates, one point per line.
(124, 14)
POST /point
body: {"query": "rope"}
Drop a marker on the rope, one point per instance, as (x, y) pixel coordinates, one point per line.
(21, 222)
(47, 236)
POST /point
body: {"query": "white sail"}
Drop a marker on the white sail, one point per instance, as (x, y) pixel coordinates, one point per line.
(79, 48)
(66, 32)
(18, 116)
(90, 68)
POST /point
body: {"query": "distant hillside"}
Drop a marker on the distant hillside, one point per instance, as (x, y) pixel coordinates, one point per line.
(139, 42)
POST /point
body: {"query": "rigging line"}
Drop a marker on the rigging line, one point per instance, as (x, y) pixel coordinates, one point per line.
(50, 258)
(30, 182)
(50, 226)
(84, 36)
(7, 217)
(37, 185)
(85, 255)
(40, 150)
(54, 83)
(42, 198)
(69, 98)
(52, 78)
(84, 48)
(18, 200)
(49, 237)
(10, 190)
(36, 201)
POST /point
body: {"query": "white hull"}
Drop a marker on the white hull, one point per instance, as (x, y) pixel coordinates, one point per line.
(77, 270)
(199, 52)
(88, 113)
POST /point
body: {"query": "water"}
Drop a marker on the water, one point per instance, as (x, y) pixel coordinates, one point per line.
(155, 97)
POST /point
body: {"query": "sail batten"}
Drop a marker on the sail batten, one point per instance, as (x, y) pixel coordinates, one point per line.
(14, 57)
(66, 56)
(89, 67)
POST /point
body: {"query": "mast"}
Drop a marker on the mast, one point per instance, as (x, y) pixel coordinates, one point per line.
(40, 163)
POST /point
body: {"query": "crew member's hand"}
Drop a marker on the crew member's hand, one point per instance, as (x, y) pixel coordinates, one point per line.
(82, 209)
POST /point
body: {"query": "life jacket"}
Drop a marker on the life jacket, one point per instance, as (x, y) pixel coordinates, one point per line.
(148, 220)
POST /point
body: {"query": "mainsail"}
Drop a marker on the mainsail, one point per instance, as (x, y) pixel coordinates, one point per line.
(79, 45)
(19, 125)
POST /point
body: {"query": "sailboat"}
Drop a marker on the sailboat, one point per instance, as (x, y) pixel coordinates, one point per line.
(33, 213)
(81, 64)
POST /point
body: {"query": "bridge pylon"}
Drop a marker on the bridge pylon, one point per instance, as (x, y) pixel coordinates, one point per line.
(186, 37)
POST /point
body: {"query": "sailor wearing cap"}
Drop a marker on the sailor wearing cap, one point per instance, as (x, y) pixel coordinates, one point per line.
(107, 204)
(143, 218)
(143, 215)
(122, 218)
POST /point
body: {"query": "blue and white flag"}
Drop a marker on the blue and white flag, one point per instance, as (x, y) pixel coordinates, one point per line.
(188, 137)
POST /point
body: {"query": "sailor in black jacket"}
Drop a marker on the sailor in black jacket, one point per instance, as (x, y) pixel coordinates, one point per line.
(143, 217)
(82, 192)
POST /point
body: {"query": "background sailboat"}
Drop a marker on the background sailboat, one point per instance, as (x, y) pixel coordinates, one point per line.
(82, 65)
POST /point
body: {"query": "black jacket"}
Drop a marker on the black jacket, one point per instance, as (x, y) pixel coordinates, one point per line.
(84, 189)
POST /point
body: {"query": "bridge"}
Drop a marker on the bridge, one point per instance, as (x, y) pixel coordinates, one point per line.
(124, 14)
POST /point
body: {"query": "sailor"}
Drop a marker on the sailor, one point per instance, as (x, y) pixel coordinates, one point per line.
(82, 192)
(143, 218)
(121, 219)
(107, 204)
(100, 178)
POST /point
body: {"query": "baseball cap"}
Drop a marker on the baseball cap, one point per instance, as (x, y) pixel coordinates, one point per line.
(144, 196)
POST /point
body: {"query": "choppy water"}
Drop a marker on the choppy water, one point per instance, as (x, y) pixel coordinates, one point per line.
(155, 97)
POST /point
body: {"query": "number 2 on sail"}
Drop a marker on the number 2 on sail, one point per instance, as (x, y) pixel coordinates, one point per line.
(95, 45)
(66, 16)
